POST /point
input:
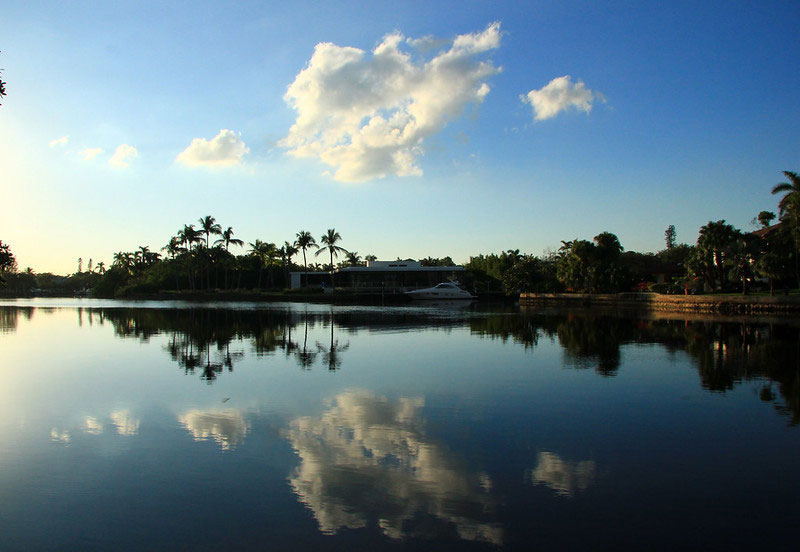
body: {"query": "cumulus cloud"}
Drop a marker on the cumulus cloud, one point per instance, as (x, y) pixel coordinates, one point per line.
(90, 153)
(364, 441)
(558, 95)
(59, 141)
(122, 156)
(225, 149)
(367, 115)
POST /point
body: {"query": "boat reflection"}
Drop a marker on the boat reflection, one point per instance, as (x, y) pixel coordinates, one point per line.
(367, 461)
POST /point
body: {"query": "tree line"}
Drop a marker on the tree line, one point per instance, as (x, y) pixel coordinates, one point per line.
(724, 259)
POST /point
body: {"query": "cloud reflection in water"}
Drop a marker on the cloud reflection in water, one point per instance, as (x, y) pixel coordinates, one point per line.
(227, 427)
(368, 458)
(125, 423)
(562, 476)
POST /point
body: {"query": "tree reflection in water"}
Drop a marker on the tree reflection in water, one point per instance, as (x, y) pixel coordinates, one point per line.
(331, 356)
(9, 318)
(725, 353)
(305, 358)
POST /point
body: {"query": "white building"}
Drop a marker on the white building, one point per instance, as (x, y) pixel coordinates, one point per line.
(379, 276)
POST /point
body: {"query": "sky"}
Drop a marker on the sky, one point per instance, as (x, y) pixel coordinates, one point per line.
(414, 129)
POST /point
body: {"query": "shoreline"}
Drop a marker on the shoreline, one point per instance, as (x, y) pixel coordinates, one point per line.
(705, 304)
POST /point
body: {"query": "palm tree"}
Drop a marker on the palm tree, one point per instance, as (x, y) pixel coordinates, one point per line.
(789, 207)
(305, 241)
(329, 241)
(189, 235)
(101, 267)
(290, 251)
(514, 255)
(208, 225)
(173, 247)
(353, 258)
(270, 254)
(287, 251)
(790, 202)
(265, 253)
(227, 239)
(142, 256)
(123, 260)
(714, 243)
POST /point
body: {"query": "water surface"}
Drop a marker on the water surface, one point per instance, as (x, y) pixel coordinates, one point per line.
(169, 426)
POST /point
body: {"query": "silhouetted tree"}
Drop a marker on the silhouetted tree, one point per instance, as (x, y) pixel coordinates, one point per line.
(2, 86)
(208, 225)
(353, 258)
(789, 210)
(329, 241)
(286, 252)
(708, 260)
(765, 218)
(227, 239)
(670, 236)
(7, 261)
(305, 241)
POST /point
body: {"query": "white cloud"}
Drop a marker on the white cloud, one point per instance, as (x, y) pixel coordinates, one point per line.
(122, 156)
(59, 141)
(225, 149)
(90, 153)
(367, 116)
(558, 95)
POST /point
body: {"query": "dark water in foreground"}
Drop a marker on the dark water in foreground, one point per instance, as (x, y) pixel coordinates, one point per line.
(245, 427)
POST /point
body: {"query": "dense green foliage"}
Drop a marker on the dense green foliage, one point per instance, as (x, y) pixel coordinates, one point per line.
(7, 261)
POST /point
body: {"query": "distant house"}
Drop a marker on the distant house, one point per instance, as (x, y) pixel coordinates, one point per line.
(400, 275)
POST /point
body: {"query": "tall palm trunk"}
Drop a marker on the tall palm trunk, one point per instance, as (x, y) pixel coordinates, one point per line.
(305, 269)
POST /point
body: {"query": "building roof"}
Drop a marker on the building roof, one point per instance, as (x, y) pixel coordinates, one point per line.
(763, 232)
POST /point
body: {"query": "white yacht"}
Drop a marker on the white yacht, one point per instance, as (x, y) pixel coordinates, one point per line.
(445, 290)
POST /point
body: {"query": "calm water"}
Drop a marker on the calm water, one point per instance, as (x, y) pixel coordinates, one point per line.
(159, 426)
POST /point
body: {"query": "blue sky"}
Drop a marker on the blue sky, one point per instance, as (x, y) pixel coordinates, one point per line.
(413, 128)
